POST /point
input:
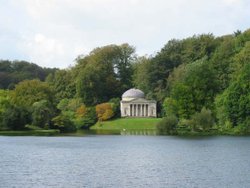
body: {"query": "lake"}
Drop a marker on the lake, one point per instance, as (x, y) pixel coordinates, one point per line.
(124, 161)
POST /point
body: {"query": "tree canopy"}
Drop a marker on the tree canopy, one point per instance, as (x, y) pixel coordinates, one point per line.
(200, 82)
(13, 72)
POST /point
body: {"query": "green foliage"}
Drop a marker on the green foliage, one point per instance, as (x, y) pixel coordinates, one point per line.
(63, 83)
(4, 104)
(105, 73)
(70, 104)
(241, 39)
(4, 100)
(184, 76)
(91, 85)
(153, 77)
(63, 123)
(15, 118)
(170, 107)
(197, 88)
(115, 104)
(168, 125)
(74, 109)
(142, 75)
(182, 97)
(202, 120)
(88, 119)
(13, 72)
(42, 114)
(233, 104)
(241, 59)
(11, 117)
(222, 60)
(30, 91)
(123, 65)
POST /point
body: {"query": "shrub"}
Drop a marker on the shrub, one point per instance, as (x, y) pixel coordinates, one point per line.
(15, 118)
(167, 125)
(104, 111)
(81, 111)
(202, 120)
(63, 123)
(115, 103)
(87, 120)
(170, 106)
(42, 114)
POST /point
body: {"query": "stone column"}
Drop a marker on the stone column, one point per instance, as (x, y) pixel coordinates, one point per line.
(145, 115)
(147, 110)
(141, 110)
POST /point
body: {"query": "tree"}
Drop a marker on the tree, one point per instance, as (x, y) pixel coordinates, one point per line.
(170, 107)
(196, 89)
(233, 104)
(63, 123)
(168, 125)
(69, 107)
(104, 111)
(4, 105)
(42, 114)
(202, 120)
(222, 60)
(115, 104)
(123, 65)
(13, 72)
(30, 91)
(241, 59)
(81, 111)
(87, 118)
(91, 85)
(63, 83)
(15, 118)
(142, 75)
(105, 73)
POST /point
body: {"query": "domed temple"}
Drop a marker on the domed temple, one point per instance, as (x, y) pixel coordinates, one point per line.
(134, 104)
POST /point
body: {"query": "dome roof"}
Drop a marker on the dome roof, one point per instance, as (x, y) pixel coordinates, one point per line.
(133, 93)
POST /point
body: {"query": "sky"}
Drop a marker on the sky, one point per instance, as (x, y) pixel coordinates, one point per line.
(53, 33)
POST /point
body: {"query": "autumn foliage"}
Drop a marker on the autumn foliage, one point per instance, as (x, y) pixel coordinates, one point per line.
(104, 111)
(81, 111)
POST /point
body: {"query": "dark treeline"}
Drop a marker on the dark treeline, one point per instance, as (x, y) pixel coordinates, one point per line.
(200, 83)
(13, 72)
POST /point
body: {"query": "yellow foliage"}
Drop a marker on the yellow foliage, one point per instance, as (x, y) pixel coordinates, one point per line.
(104, 111)
(81, 111)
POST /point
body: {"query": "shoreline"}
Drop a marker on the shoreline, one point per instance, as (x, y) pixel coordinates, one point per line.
(137, 132)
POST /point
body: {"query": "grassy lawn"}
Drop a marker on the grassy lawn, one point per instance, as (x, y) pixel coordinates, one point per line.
(128, 124)
(111, 127)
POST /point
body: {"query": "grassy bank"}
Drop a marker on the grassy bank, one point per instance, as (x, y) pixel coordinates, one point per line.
(127, 124)
(124, 126)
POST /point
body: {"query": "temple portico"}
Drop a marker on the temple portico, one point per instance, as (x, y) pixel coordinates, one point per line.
(133, 104)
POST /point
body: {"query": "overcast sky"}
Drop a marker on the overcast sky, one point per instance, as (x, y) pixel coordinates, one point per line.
(52, 33)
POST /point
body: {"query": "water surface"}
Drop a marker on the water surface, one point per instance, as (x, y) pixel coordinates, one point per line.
(124, 161)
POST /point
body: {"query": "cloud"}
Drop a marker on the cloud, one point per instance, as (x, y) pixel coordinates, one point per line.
(54, 32)
(41, 48)
(232, 2)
